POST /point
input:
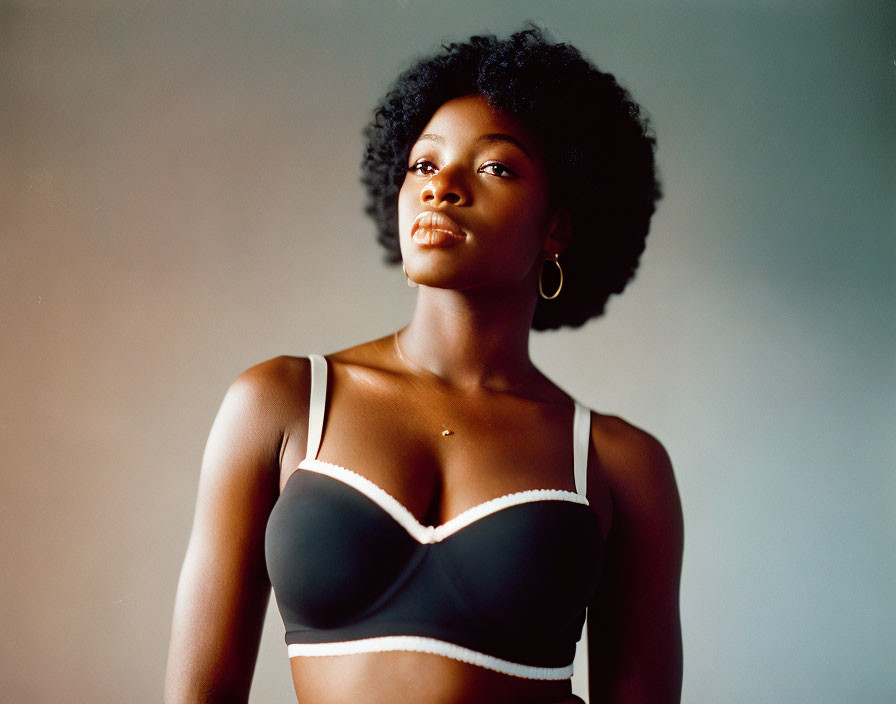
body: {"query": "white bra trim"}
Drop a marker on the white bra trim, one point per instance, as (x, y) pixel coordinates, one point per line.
(421, 644)
(434, 534)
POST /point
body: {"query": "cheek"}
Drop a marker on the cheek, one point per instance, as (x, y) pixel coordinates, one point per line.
(405, 207)
(530, 220)
(406, 211)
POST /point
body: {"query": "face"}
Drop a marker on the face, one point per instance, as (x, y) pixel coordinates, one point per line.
(473, 210)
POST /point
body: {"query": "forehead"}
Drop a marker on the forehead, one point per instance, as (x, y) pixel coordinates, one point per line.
(471, 117)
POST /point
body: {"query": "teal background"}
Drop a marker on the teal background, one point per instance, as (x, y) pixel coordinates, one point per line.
(180, 201)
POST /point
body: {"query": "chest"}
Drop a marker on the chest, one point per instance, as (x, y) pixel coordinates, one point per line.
(439, 454)
(460, 525)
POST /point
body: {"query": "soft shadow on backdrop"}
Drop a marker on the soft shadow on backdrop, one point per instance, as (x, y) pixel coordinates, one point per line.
(180, 201)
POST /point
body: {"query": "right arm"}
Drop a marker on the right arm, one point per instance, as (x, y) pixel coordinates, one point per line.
(223, 590)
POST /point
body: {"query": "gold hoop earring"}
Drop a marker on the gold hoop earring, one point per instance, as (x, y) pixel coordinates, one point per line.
(407, 278)
(556, 293)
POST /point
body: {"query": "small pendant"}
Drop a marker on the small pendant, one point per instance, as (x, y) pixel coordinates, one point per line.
(446, 432)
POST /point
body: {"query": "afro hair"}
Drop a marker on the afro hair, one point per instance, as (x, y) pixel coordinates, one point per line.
(598, 147)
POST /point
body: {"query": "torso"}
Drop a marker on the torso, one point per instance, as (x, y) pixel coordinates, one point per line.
(499, 443)
(384, 678)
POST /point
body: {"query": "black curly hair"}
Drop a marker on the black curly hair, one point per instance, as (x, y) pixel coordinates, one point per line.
(599, 153)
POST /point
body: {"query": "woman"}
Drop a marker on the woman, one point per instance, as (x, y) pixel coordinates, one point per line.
(433, 512)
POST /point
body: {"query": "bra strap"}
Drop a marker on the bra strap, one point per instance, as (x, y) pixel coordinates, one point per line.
(581, 432)
(317, 405)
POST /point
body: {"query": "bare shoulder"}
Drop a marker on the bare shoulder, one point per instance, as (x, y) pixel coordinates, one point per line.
(639, 473)
(273, 396)
(625, 449)
(265, 404)
(276, 388)
(275, 380)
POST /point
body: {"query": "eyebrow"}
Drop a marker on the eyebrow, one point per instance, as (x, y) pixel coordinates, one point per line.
(496, 137)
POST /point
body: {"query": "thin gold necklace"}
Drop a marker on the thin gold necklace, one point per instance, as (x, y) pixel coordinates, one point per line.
(445, 431)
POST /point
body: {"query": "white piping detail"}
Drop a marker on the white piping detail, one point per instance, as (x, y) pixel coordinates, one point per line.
(434, 534)
(421, 644)
(471, 515)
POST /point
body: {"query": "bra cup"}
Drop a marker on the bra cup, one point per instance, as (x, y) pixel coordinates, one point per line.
(550, 552)
(344, 553)
(512, 584)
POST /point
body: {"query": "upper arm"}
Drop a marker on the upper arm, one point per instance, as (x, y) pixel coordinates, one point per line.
(634, 629)
(223, 590)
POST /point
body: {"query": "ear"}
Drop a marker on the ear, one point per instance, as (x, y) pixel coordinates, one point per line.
(559, 233)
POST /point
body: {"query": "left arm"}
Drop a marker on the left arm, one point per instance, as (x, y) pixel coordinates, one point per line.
(634, 628)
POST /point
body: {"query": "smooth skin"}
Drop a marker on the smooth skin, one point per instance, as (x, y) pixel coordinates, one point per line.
(462, 363)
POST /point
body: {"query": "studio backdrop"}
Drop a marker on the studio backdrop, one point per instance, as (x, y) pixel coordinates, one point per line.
(179, 200)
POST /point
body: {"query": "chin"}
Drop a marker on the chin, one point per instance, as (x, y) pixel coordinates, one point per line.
(455, 282)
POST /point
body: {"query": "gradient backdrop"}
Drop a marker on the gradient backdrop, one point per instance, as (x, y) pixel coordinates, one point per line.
(179, 200)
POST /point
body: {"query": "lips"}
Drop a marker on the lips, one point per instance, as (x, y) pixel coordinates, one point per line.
(434, 229)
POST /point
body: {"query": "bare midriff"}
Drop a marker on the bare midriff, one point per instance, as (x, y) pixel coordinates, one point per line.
(415, 678)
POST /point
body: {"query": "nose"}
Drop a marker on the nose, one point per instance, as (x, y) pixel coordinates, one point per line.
(446, 186)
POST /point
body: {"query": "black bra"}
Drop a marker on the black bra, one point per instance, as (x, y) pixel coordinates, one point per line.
(503, 585)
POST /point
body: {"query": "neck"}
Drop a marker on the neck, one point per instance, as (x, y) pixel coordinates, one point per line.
(470, 339)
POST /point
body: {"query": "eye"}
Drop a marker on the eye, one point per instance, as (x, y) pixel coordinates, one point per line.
(498, 169)
(422, 167)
